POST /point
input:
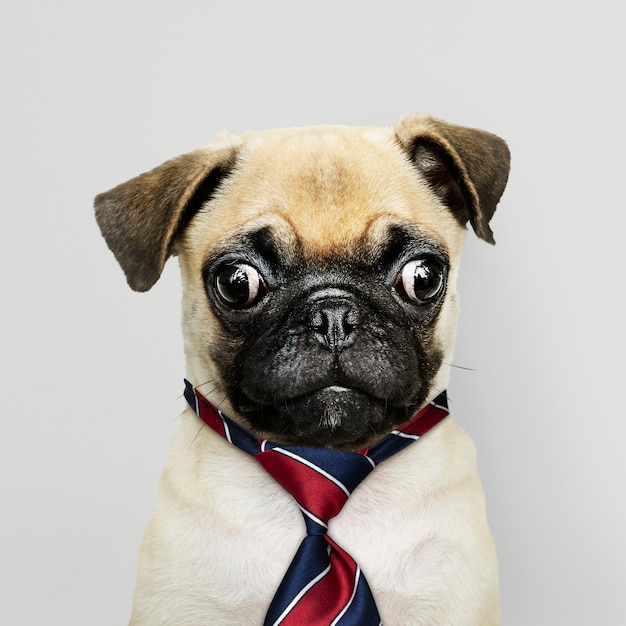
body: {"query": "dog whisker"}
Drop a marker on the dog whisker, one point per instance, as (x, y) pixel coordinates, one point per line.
(461, 367)
(206, 382)
(196, 436)
(220, 402)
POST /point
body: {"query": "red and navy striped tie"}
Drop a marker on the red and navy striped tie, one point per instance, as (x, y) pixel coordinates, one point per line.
(323, 585)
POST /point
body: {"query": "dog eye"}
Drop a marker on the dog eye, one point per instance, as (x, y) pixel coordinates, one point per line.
(239, 286)
(421, 281)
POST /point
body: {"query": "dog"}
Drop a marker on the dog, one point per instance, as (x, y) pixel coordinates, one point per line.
(319, 269)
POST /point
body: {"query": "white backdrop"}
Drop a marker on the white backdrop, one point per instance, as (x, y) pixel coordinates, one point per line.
(96, 92)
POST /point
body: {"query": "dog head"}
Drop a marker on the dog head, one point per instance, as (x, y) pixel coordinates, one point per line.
(319, 267)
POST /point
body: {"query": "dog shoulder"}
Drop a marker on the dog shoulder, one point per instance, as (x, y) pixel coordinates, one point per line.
(424, 544)
(217, 512)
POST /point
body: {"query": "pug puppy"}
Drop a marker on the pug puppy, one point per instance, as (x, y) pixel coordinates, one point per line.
(319, 270)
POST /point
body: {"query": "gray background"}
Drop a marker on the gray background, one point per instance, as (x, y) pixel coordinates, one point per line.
(94, 93)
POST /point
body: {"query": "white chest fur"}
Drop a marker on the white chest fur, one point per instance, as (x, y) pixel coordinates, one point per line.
(223, 534)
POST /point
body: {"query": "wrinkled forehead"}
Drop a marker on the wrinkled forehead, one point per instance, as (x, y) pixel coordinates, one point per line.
(330, 189)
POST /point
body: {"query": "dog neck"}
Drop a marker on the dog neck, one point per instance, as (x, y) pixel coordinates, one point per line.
(405, 434)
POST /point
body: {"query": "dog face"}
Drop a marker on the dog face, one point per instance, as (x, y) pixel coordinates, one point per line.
(319, 267)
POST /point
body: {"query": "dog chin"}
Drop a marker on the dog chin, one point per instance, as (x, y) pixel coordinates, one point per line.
(333, 417)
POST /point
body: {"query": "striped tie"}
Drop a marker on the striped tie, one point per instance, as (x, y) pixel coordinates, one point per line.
(323, 585)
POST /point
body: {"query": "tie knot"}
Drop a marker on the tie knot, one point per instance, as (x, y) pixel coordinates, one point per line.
(320, 480)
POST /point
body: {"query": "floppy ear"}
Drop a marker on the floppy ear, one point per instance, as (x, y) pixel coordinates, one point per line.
(140, 218)
(467, 168)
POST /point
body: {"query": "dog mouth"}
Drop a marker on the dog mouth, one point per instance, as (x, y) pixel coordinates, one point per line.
(333, 416)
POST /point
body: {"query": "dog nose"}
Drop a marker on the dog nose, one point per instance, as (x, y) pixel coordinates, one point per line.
(333, 321)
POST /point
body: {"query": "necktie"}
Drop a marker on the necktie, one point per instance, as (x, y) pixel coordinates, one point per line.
(323, 585)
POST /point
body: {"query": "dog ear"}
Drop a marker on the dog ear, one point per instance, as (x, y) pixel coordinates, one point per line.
(466, 167)
(140, 218)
